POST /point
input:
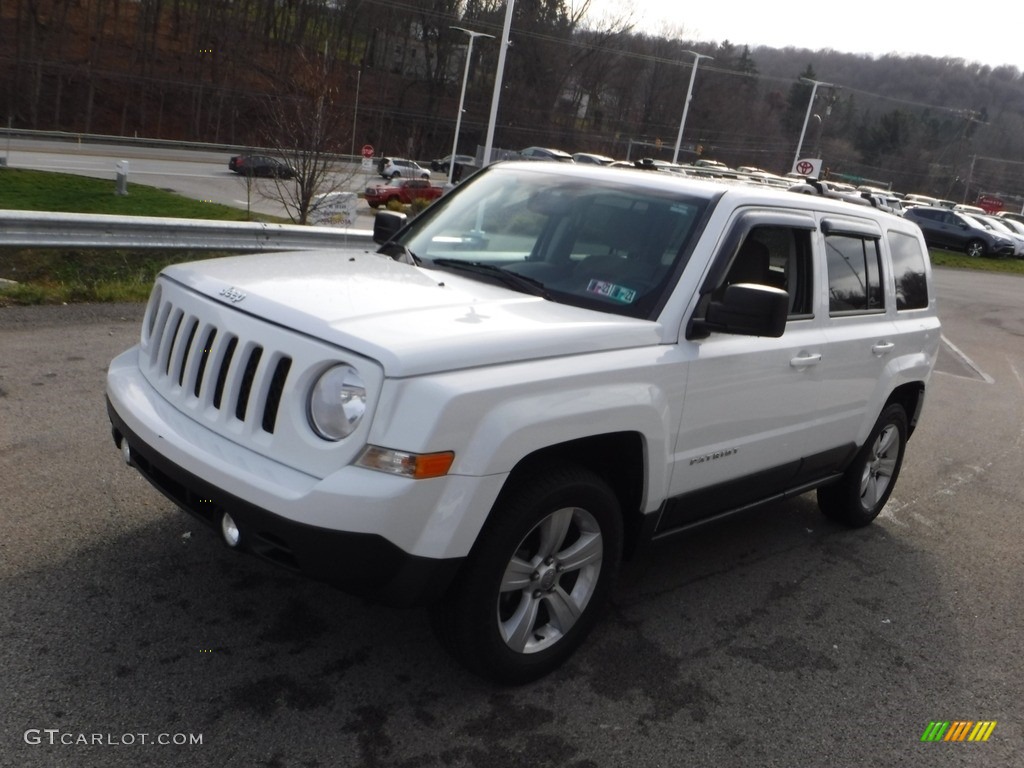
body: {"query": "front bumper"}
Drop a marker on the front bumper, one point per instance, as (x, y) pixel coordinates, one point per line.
(363, 564)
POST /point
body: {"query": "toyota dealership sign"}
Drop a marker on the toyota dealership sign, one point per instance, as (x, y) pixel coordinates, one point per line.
(809, 167)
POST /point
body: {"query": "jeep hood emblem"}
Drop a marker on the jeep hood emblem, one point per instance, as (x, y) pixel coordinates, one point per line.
(232, 294)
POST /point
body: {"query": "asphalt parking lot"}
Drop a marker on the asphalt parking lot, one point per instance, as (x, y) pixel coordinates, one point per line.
(129, 636)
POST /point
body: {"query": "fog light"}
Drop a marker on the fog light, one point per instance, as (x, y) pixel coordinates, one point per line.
(230, 531)
(126, 451)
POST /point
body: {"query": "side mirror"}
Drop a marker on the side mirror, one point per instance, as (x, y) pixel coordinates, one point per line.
(386, 225)
(747, 309)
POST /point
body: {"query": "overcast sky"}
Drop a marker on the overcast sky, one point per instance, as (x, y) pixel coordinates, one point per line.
(990, 33)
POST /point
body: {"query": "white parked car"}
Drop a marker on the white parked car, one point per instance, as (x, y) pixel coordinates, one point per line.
(395, 167)
(551, 366)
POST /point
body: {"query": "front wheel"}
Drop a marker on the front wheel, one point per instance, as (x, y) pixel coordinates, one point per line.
(860, 495)
(537, 578)
(976, 248)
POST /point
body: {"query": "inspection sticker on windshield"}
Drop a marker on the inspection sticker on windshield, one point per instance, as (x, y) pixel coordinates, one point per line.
(612, 291)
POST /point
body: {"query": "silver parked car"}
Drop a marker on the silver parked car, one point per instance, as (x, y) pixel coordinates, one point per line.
(394, 167)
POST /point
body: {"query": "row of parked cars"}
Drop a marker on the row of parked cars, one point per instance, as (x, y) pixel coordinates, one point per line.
(945, 224)
(970, 229)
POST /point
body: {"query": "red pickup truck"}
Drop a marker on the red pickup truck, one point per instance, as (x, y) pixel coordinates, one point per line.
(403, 190)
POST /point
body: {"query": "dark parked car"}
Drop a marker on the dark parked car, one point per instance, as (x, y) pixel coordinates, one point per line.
(592, 159)
(944, 228)
(261, 165)
(545, 153)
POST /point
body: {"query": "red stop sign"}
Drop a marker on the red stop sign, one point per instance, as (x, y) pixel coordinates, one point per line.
(367, 150)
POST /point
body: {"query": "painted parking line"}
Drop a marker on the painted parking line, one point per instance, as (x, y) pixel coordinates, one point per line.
(967, 368)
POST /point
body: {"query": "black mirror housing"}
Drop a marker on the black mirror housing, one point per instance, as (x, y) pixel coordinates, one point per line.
(386, 224)
(747, 309)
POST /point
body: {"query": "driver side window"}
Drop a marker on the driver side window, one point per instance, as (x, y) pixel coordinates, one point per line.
(779, 257)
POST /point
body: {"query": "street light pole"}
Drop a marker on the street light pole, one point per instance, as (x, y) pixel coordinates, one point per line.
(462, 97)
(807, 117)
(686, 106)
(499, 75)
(355, 109)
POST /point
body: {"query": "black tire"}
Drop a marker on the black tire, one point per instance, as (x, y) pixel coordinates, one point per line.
(555, 543)
(860, 495)
(976, 248)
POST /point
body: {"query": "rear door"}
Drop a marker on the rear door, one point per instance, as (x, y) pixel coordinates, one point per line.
(862, 339)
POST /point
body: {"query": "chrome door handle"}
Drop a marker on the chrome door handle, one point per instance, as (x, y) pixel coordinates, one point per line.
(805, 360)
(882, 348)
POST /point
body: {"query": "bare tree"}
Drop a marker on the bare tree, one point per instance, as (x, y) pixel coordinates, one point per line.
(305, 127)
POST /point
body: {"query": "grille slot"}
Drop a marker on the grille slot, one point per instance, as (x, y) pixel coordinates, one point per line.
(274, 394)
(242, 404)
(193, 326)
(207, 351)
(169, 339)
(222, 375)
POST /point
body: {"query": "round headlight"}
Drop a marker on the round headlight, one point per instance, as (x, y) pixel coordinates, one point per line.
(337, 402)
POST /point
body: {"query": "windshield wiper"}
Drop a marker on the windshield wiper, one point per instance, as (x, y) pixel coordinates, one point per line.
(399, 252)
(513, 280)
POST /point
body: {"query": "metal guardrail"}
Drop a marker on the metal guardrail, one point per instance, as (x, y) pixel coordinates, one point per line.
(34, 229)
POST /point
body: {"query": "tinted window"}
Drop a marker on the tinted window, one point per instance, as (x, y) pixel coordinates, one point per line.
(908, 266)
(854, 274)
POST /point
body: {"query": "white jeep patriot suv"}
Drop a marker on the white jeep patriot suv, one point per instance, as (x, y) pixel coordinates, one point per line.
(545, 369)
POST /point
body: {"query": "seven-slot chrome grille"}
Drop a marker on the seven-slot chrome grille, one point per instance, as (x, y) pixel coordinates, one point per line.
(240, 376)
(217, 369)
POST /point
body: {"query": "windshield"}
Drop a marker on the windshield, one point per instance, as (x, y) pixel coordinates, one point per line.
(596, 240)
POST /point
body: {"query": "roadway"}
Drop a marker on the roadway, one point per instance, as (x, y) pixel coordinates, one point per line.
(774, 639)
(200, 174)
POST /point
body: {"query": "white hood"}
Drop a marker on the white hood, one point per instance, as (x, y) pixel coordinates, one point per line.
(411, 320)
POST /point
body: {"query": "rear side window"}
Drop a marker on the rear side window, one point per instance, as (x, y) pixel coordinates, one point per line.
(908, 267)
(854, 274)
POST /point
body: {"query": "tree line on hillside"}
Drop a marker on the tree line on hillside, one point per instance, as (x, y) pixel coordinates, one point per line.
(388, 73)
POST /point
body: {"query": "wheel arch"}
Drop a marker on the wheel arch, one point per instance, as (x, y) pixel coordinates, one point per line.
(911, 397)
(618, 458)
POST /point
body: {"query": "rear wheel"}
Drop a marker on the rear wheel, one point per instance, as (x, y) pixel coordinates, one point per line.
(537, 578)
(860, 495)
